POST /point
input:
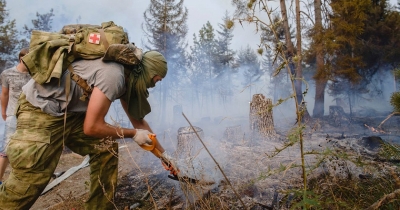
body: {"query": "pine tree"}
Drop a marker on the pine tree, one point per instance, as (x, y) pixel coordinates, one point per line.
(248, 61)
(9, 47)
(204, 64)
(225, 55)
(347, 21)
(315, 57)
(43, 22)
(225, 58)
(196, 74)
(279, 85)
(207, 44)
(165, 27)
(272, 37)
(365, 37)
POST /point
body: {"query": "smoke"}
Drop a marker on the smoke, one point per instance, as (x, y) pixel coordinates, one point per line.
(128, 14)
(377, 97)
(230, 104)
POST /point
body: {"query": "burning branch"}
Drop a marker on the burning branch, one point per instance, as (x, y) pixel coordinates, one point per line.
(379, 126)
(378, 130)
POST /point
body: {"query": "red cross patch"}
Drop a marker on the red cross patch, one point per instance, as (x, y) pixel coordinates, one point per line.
(94, 38)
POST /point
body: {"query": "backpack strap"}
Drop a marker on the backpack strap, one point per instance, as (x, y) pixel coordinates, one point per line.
(87, 90)
(103, 39)
(71, 42)
(67, 90)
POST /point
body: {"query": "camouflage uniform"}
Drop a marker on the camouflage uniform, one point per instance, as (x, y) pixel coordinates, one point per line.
(35, 150)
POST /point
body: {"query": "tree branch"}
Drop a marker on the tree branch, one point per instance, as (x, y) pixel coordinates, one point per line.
(384, 199)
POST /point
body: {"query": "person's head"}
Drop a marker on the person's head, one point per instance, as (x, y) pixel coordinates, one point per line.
(155, 66)
(21, 66)
(22, 53)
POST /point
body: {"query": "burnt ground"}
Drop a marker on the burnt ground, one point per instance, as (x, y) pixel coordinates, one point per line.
(253, 177)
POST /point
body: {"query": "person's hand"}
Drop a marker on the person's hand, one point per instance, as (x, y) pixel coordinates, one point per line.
(142, 137)
(169, 163)
(4, 116)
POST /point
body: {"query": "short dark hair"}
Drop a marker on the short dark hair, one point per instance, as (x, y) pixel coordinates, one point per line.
(23, 52)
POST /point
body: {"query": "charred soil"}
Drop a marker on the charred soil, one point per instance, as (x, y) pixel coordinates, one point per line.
(258, 176)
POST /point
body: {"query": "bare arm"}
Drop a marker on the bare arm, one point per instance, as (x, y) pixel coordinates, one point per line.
(95, 124)
(166, 160)
(141, 124)
(4, 101)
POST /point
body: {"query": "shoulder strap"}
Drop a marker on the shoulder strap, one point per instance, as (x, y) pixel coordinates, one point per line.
(103, 39)
(87, 90)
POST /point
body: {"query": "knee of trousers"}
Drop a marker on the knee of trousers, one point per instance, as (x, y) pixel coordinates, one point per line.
(105, 163)
(17, 193)
(103, 175)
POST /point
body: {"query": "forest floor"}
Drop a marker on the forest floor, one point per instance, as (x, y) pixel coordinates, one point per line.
(241, 170)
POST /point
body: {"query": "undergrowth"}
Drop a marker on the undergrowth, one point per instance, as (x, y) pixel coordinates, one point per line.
(343, 193)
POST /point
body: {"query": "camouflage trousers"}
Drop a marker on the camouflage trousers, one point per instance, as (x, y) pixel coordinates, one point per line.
(35, 149)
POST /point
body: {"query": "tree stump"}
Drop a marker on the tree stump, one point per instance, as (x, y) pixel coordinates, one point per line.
(188, 142)
(337, 116)
(261, 118)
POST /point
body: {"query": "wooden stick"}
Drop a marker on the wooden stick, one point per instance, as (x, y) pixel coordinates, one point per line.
(148, 191)
(219, 167)
(394, 113)
(387, 198)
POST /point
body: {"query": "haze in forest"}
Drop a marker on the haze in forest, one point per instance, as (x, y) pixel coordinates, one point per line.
(127, 13)
(204, 110)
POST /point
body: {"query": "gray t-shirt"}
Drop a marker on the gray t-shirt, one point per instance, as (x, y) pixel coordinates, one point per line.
(13, 80)
(51, 97)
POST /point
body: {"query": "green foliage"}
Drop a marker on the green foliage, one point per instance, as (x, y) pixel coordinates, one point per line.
(390, 151)
(203, 60)
(354, 48)
(212, 62)
(363, 37)
(347, 19)
(343, 193)
(395, 101)
(225, 56)
(224, 59)
(165, 28)
(307, 200)
(395, 97)
(396, 73)
(229, 24)
(43, 22)
(9, 47)
(248, 60)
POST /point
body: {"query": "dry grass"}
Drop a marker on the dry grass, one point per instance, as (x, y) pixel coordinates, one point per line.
(261, 181)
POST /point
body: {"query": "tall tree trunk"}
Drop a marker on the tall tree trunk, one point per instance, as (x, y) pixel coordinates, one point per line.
(289, 53)
(320, 77)
(319, 103)
(289, 43)
(299, 94)
(299, 72)
(164, 50)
